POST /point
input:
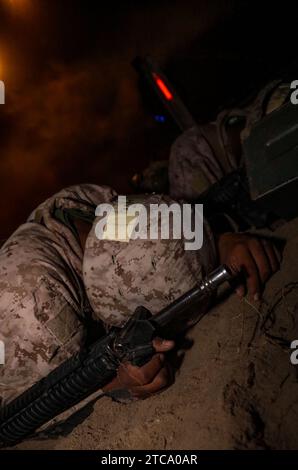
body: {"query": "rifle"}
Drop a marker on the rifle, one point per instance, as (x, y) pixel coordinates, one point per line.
(89, 370)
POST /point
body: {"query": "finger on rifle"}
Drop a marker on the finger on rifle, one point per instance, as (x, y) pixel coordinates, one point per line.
(162, 345)
(145, 374)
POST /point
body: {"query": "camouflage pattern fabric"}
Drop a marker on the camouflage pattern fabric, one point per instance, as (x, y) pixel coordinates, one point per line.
(121, 275)
(41, 307)
(43, 286)
(204, 154)
(45, 275)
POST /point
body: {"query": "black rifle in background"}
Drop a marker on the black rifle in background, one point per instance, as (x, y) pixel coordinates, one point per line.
(266, 187)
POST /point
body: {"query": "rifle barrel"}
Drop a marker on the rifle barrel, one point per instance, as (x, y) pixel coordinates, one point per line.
(205, 287)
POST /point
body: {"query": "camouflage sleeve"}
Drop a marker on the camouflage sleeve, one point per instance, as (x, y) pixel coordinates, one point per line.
(41, 307)
(81, 196)
(193, 166)
(39, 325)
(204, 154)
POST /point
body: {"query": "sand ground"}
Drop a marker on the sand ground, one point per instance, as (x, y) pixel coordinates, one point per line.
(236, 387)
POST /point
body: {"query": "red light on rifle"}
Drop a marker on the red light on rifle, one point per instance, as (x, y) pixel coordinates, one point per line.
(162, 86)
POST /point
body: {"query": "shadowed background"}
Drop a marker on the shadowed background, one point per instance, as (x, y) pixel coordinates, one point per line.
(74, 112)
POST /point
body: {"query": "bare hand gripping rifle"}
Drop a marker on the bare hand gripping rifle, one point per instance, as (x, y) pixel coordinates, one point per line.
(93, 368)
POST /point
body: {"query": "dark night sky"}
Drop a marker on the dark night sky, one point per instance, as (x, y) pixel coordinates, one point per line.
(73, 110)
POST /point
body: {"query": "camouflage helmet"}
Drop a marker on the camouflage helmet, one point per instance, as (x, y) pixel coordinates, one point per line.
(122, 275)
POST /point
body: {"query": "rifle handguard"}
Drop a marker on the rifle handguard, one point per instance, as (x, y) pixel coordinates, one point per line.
(88, 371)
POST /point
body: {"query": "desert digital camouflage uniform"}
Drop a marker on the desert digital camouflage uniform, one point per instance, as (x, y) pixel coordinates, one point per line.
(121, 275)
(204, 154)
(42, 298)
(44, 278)
(47, 282)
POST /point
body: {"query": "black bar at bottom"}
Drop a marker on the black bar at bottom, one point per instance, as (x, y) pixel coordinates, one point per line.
(137, 459)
